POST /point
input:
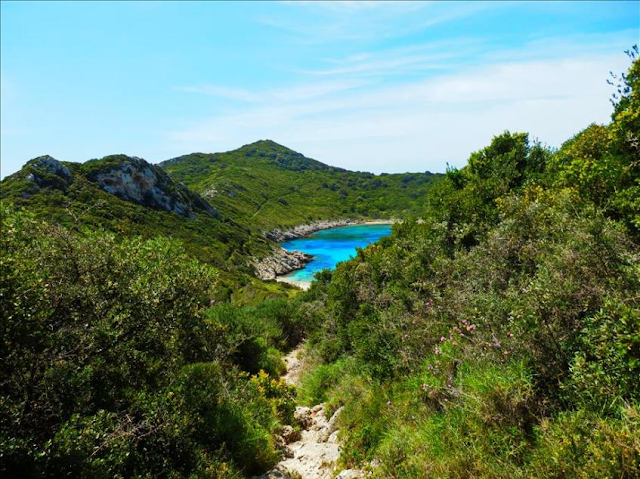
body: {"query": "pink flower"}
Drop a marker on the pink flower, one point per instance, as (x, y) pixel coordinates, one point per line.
(432, 393)
(389, 403)
(442, 339)
(437, 350)
(496, 343)
(425, 386)
(427, 304)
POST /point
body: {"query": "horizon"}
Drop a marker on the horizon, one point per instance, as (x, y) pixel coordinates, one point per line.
(217, 153)
(371, 86)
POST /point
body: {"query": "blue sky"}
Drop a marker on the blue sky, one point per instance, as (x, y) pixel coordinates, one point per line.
(363, 85)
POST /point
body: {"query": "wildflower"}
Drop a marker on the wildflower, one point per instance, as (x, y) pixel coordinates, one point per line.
(496, 343)
(465, 322)
(437, 350)
(432, 393)
(509, 334)
(424, 386)
(442, 339)
(389, 403)
(427, 304)
(430, 367)
(471, 327)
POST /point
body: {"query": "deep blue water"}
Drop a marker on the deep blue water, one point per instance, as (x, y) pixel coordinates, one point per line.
(331, 246)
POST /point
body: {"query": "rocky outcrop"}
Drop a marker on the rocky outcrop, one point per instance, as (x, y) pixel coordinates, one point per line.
(301, 231)
(280, 262)
(134, 179)
(46, 171)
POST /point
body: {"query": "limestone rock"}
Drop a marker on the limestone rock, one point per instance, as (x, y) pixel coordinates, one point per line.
(301, 231)
(134, 179)
(349, 474)
(277, 473)
(303, 416)
(280, 262)
(46, 171)
(331, 424)
(289, 434)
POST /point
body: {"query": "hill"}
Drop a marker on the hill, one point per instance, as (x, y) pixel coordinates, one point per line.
(497, 337)
(265, 185)
(219, 205)
(130, 197)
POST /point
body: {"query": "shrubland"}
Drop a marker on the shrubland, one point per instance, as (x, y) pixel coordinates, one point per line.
(496, 336)
(500, 335)
(117, 360)
(265, 185)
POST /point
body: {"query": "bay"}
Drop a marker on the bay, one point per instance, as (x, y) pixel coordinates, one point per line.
(331, 246)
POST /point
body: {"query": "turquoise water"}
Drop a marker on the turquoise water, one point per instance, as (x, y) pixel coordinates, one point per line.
(331, 246)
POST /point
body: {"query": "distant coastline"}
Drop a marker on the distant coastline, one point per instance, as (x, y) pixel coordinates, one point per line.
(307, 229)
(282, 262)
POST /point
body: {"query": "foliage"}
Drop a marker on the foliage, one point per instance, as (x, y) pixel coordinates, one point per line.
(111, 365)
(499, 335)
(264, 185)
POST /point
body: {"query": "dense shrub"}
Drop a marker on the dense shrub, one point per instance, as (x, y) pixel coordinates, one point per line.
(498, 336)
(110, 366)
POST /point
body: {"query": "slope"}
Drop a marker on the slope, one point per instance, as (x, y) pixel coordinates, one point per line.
(131, 197)
(265, 185)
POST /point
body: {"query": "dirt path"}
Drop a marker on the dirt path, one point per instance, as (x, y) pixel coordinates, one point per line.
(313, 453)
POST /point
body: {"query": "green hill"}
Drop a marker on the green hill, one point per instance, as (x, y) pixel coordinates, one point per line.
(132, 197)
(265, 185)
(500, 336)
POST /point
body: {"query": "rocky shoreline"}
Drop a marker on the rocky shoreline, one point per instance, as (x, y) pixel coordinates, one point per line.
(282, 262)
(302, 231)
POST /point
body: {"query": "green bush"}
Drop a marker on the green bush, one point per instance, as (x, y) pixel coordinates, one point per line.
(112, 367)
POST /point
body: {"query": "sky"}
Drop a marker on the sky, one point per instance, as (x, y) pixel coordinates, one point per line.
(369, 86)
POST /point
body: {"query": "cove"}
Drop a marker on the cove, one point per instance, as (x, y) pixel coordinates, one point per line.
(331, 246)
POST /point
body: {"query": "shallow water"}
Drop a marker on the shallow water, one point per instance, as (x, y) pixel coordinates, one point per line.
(331, 246)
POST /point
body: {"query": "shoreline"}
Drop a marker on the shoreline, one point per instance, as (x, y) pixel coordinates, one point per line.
(307, 229)
(281, 262)
(303, 285)
(306, 285)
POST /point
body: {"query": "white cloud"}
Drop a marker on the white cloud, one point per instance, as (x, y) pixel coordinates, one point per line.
(304, 91)
(421, 125)
(330, 22)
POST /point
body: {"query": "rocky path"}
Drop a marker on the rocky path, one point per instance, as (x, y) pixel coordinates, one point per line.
(312, 453)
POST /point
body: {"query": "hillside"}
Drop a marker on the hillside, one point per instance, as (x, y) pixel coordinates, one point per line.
(131, 197)
(497, 336)
(500, 336)
(265, 185)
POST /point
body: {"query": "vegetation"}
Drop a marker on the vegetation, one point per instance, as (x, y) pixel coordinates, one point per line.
(115, 363)
(497, 336)
(265, 185)
(500, 336)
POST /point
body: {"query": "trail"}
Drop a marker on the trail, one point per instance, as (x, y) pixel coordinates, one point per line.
(313, 453)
